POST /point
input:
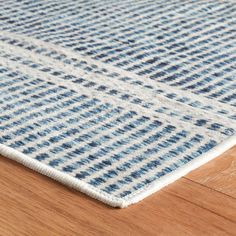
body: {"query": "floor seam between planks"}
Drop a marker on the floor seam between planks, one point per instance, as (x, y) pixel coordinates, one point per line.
(213, 189)
(194, 203)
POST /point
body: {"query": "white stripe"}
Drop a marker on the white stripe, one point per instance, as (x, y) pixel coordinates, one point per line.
(122, 86)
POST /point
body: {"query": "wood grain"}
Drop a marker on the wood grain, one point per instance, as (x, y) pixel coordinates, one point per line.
(219, 175)
(202, 203)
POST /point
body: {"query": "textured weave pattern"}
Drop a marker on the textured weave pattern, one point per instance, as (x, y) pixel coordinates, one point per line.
(118, 95)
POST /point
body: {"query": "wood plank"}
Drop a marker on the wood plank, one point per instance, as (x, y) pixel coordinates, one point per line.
(218, 174)
(32, 204)
(204, 197)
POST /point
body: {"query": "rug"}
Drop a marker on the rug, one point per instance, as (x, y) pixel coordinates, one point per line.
(117, 98)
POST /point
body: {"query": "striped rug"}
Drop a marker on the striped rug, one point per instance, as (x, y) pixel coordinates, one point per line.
(117, 98)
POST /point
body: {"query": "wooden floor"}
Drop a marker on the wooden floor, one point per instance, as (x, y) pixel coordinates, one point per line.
(202, 203)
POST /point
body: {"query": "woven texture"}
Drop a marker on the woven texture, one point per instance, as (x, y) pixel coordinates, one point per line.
(117, 98)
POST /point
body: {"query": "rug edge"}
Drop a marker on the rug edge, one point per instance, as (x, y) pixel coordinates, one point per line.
(67, 180)
(194, 164)
(61, 177)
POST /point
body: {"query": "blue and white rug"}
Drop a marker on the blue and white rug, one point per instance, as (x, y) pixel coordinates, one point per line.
(117, 98)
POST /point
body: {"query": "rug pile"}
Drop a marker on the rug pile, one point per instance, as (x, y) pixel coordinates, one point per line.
(117, 98)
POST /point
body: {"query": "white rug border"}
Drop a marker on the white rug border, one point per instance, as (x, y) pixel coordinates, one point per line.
(102, 196)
